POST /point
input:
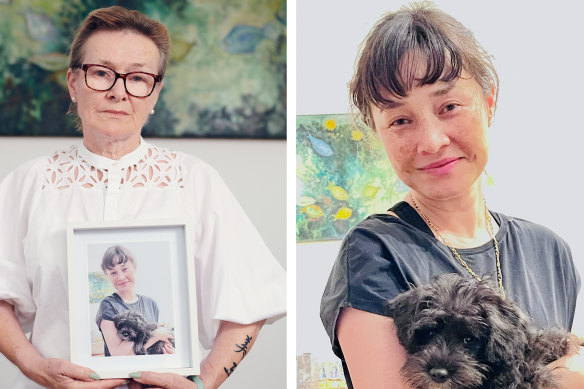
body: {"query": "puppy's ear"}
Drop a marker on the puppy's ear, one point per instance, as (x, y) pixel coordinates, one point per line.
(403, 310)
(508, 330)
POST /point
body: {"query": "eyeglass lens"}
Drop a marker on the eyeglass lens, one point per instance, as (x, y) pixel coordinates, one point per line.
(137, 83)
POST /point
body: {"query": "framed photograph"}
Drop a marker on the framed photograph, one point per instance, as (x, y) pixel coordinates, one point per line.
(132, 297)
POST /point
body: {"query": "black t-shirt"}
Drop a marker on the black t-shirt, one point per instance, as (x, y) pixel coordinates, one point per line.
(385, 255)
(112, 305)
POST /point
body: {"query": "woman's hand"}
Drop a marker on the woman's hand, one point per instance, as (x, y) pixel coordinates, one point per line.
(49, 373)
(163, 334)
(62, 374)
(168, 349)
(161, 380)
(569, 370)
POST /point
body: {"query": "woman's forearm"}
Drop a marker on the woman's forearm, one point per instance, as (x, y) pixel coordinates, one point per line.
(232, 343)
(372, 350)
(14, 344)
(114, 344)
(49, 373)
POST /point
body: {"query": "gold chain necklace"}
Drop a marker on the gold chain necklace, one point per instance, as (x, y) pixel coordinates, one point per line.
(490, 229)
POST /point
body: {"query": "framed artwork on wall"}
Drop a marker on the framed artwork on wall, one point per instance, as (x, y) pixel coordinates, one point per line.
(342, 176)
(226, 77)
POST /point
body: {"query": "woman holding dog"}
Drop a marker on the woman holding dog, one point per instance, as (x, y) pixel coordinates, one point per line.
(119, 266)
(117, 67)
(429, 91)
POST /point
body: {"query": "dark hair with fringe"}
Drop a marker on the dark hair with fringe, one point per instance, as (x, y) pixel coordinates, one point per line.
(118, 18)
(396, 48)
(114, 256)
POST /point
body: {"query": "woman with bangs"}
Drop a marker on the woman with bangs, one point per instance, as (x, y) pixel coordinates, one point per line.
(429, 91)
(119, 266)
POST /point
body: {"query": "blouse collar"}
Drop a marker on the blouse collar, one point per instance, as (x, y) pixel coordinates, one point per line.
(105, 163)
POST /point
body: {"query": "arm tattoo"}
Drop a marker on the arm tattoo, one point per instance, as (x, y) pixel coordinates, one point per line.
(243, 347)
(240, 348)
(228, 372)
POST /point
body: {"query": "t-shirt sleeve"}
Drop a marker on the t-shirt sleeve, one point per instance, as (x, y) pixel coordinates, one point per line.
(238, 279)
(106, 311)
(16, 196)
(364, 277)
(572, 281)
(156, 311)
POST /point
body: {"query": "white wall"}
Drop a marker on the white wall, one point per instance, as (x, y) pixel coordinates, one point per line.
(537, 136)
(254, 170)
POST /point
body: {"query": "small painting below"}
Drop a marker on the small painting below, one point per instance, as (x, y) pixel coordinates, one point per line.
(312, 373)
(342, 176)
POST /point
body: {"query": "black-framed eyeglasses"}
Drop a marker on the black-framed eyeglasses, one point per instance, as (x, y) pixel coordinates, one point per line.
(101, 78)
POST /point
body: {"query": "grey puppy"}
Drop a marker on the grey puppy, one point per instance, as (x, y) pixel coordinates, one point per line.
(460, 333)
(133, 327)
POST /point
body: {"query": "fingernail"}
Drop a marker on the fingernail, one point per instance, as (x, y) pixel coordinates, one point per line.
(94, 376)
(135, 374)
(126, 383)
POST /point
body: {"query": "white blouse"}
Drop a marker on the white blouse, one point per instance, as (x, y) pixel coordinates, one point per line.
(237, 277)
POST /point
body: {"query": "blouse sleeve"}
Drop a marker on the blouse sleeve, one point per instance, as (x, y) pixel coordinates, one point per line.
(364, 277)
(16, 196)
(238, 279)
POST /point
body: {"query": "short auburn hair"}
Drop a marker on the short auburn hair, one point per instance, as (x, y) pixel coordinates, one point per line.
(117, 18)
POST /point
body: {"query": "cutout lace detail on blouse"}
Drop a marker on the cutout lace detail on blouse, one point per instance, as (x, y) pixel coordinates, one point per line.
(158, 168)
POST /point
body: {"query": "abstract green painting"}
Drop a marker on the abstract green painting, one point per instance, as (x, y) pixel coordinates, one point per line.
(342, 176)
(226, 76)
(99, 287)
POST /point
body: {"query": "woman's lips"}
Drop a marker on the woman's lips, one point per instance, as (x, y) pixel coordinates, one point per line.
(115, 113)
(441, 167)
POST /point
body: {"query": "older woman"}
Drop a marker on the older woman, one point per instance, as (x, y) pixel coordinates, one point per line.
(119, 266)
(117, 68)
(429, 91)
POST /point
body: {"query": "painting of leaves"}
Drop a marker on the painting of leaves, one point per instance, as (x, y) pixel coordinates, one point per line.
(342, 176)
(226, 77)
(99, 287)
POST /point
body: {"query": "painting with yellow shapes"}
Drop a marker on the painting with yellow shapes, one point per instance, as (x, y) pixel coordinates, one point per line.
(342, 176)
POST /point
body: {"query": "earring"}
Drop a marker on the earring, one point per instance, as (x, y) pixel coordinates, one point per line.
(73, 99)
(152, 112)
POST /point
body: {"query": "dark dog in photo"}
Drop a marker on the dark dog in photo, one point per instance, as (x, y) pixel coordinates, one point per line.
(460, 333)
(133, 327)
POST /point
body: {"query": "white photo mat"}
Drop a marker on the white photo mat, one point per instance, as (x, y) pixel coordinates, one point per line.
(165, 264)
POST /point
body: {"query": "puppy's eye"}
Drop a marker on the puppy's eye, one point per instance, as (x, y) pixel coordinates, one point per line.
(425, 336)
(469, 340)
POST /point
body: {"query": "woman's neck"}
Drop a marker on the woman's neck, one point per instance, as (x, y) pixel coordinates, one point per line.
(128, 297)
(462, 220)
(112, 149)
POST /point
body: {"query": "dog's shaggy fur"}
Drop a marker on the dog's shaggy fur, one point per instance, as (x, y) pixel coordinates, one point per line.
(133, 327)
(460, 333)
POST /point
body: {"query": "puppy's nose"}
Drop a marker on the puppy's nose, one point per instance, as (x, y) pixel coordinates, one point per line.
(439, 374)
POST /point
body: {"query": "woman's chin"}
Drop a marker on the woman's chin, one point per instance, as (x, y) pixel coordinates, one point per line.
(445, 190)
(124, 289)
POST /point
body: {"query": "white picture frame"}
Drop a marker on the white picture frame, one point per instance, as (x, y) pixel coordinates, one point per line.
(165, 272)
